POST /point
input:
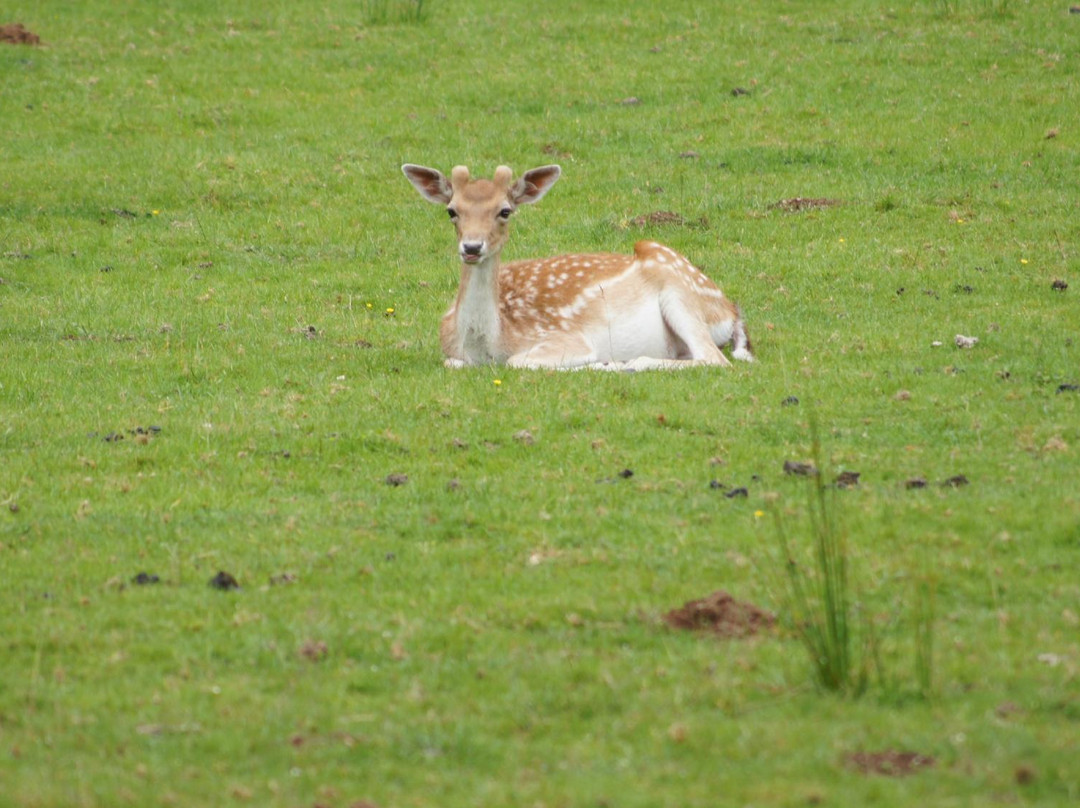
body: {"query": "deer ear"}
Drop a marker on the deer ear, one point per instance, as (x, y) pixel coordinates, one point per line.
(431, 184)
(532, 185)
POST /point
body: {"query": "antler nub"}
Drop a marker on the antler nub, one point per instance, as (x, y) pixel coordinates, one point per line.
(459, 178)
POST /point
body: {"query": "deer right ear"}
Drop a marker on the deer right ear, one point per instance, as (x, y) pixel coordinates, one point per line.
(431, 184)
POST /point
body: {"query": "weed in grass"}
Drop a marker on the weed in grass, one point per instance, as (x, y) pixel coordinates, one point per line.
(823, 601)
(818, 600)
(394, 12)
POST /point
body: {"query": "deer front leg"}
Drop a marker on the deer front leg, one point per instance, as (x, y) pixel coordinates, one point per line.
(565, 352)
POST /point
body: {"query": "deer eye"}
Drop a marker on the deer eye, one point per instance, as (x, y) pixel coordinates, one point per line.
(504, 214)
(451, 213)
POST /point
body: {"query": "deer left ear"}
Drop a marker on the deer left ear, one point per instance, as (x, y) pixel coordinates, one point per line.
(532, 185)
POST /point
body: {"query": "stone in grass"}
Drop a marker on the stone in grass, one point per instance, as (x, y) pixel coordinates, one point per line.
(224, 581)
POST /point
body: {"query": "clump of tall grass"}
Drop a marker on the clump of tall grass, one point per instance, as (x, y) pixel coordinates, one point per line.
(393, 12)
(821, 594)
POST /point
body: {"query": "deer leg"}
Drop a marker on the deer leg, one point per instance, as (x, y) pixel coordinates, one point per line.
(565, 351)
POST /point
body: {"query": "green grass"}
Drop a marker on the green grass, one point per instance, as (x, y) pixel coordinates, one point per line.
(202, 226)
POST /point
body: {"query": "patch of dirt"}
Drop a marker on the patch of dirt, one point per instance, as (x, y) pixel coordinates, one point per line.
(16, 34)
(555, 150)
(396, 480)
(729, 492)
(915, 482)
(224, 581)
(955, 482)
(1025, 775)
(313, 650)
(797, 203)
(658, 217)
(1068, 388)
(145, 578)
(799, 469)
(847, 479)
(889, 763)
(1059, 285)
(141, 434)
(720, 614)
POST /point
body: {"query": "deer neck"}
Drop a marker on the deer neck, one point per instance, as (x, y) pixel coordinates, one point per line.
(478, 324)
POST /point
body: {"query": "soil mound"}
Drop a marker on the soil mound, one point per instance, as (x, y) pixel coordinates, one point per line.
(15, 34)
(720, 614)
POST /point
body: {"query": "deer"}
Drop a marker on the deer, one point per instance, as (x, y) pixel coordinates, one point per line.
(606, 311)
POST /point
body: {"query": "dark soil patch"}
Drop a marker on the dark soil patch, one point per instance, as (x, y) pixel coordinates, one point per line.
(224, 581)
(1059, 285)
(799, 469)
(396, 480)
(145, 578)
(797, 203)
(658, 217)
(1068, 388)
(720, 614)
(889, 763)
(729, 492)
(847, 479)
(915, 482)
(15, 34)
(956, 482)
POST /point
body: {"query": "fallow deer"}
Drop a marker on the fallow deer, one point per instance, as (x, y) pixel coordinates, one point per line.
(652, 309)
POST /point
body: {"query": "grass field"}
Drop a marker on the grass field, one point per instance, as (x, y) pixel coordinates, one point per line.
(219, 302)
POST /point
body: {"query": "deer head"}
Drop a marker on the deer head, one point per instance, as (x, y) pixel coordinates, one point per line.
(481, 209)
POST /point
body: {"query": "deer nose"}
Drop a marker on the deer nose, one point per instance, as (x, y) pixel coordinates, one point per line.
(472, 248)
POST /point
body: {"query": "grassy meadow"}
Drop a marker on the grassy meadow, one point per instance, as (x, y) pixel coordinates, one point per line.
(219, 302)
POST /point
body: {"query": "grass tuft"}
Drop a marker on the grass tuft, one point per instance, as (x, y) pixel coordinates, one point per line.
(394, 12)
(825, 604)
